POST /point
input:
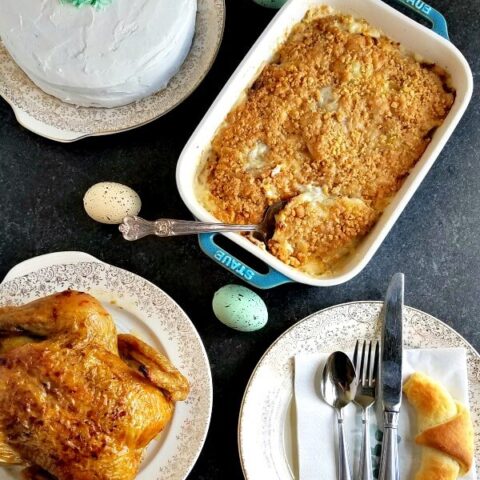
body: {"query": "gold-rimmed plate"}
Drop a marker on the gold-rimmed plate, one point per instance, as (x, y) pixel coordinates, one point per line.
(267, 425)
(51, 118)
(141, 308)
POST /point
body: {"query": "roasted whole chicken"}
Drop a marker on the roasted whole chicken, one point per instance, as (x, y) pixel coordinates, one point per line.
(78, 401)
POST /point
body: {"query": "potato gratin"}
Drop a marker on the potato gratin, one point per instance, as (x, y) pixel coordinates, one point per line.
(334, 124)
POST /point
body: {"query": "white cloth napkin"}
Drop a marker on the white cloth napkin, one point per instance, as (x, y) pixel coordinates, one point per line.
(316, 421)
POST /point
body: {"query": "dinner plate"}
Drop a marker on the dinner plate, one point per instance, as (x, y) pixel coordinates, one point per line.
(51, 118)
(141, 308)
(266, 432)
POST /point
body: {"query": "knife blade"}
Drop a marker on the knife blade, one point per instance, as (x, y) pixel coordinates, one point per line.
(391, 376)
(392, 344)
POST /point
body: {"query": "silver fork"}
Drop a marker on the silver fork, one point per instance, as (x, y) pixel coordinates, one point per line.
(365, 398)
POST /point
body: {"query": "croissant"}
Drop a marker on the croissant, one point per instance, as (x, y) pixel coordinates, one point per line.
(445, 427)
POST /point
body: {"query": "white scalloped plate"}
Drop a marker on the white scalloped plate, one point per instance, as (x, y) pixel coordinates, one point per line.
(266, 426)
(51, 118)
(141, 308)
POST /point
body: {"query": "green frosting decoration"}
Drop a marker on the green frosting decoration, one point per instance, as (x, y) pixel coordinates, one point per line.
(93, 3)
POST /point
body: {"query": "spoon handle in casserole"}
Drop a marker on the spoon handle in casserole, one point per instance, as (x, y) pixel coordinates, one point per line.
(134, 228)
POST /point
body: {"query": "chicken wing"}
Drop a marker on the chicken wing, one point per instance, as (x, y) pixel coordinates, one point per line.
(77, 400)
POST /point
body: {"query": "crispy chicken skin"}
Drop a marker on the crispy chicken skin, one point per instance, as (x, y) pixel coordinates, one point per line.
(77, 400)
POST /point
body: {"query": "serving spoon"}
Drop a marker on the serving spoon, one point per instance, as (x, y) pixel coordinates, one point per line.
(338, 386)
(134, 228)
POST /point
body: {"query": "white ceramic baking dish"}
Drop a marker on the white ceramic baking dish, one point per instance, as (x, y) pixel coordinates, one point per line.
(432, 45)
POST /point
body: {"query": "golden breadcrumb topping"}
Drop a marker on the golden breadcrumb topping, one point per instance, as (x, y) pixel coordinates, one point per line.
(337, 221)
(342, 108)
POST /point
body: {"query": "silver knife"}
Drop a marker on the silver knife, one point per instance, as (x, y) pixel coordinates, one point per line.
(391, 376)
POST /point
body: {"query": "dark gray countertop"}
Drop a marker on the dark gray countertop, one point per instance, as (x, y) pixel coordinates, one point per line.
(436, 242)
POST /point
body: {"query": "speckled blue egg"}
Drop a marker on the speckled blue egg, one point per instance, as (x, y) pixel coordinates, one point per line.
(271, 3)
(239, 308)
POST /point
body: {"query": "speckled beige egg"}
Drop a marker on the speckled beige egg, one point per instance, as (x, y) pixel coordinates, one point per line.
(110, 202)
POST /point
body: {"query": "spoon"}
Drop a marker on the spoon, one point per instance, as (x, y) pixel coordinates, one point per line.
(134, 228)
(338, 386)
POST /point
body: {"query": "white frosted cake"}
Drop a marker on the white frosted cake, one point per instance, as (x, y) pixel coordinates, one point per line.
(102, 57)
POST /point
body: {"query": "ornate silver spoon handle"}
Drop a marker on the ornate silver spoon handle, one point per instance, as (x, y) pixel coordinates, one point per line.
(134, 228)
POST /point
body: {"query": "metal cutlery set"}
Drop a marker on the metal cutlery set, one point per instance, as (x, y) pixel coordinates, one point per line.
(375, 374)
